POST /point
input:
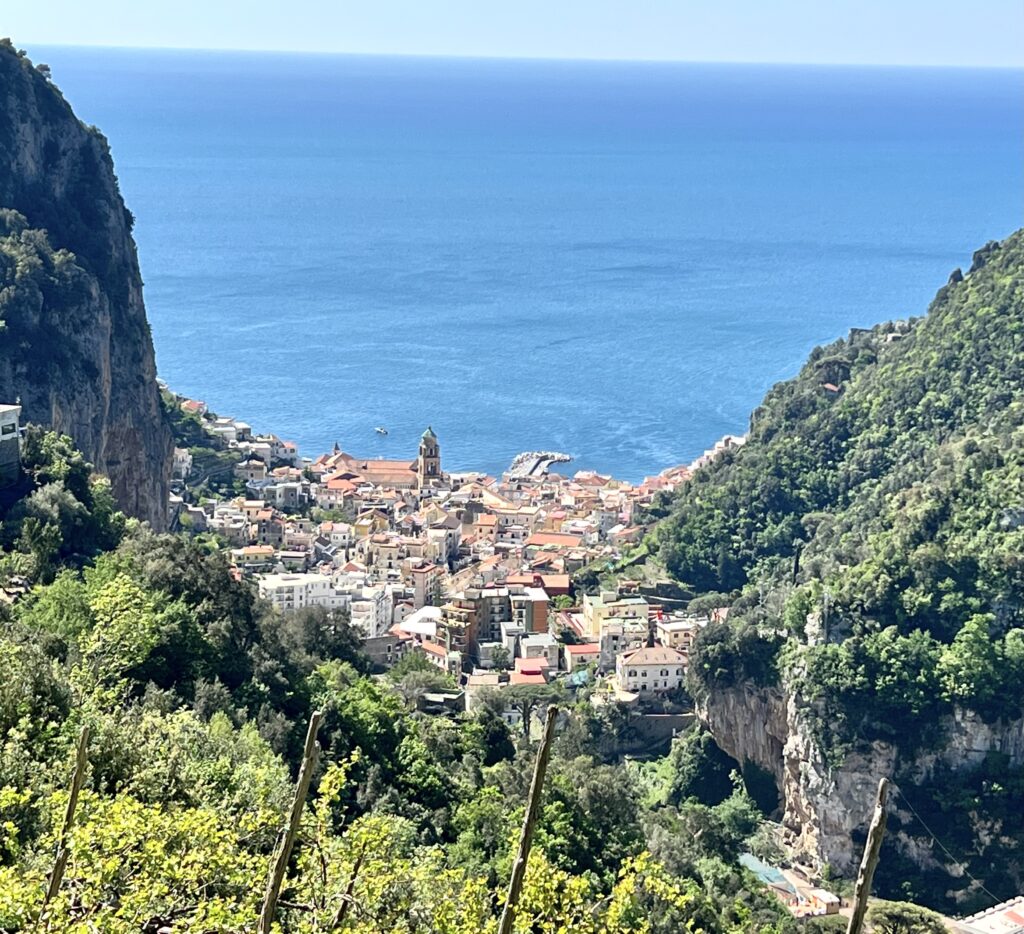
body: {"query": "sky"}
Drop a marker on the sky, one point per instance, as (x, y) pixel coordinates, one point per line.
(873, 32)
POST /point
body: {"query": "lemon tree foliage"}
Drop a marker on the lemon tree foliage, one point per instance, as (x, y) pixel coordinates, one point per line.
(197, 696)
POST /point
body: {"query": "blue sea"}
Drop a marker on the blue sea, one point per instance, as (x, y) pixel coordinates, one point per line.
(615, 260)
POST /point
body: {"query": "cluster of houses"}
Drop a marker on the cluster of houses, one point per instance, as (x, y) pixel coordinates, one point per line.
(793, 888)
(470, 570)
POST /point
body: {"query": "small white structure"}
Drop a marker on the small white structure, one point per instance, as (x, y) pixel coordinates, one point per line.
(618, 636)
(423, 622)
(679, 632)
(1004, 918)
(541, 645)
(182, 464)
(10, 444)
(371, 611)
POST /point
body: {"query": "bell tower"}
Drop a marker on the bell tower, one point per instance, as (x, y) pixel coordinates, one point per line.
(428, 462)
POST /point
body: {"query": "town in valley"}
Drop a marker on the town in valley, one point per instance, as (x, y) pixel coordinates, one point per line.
(478, 574)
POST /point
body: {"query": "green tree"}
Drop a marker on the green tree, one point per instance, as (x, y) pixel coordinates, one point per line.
(123, 632)
(501, 660)
(697, 768)
(526, 698)
(904, 918)
(970, 668)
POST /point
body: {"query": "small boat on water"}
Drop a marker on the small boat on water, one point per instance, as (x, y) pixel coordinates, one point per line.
(381, 430)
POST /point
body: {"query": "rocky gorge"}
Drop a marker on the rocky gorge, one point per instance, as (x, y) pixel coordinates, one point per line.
(825, 809)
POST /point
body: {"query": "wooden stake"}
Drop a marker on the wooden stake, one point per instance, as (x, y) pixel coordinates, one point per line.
(346, 899)
(515, 885)
(872, 849)
(60, 864)
(284, 850)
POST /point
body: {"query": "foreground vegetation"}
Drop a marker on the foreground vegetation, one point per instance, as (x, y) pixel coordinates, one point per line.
(197, 697)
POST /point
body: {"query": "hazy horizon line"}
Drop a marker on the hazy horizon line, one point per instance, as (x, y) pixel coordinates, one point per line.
(511, 58)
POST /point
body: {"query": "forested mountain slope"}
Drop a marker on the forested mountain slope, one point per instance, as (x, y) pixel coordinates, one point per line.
(824, 469)
(870, 538)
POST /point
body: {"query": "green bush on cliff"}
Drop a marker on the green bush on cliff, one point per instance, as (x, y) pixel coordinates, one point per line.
(35, 278)
(65, 514)
(904, 918)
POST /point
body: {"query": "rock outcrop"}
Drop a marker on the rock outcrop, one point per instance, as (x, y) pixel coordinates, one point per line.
(825, 809)
(76, 349)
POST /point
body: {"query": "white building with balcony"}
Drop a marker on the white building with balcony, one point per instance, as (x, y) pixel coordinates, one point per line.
(296, 591)
(371, 611)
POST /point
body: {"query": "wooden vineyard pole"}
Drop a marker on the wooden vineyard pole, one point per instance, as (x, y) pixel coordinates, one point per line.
(872, 849)
(515, 885)
(61, 862)
(284, 850)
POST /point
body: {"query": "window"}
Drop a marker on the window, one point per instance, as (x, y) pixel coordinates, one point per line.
(643, 687)
(8, 429)
(632, 673)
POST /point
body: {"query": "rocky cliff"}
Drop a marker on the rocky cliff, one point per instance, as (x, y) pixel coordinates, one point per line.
(76, 347)
(825, 809)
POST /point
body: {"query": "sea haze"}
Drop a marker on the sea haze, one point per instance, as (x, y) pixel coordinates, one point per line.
(615, 260)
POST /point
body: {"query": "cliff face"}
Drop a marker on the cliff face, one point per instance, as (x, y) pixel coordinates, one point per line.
(76, 347)
(825, 810)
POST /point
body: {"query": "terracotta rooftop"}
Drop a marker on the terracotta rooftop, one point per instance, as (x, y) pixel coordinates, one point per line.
(532, 666)
(554, 538)
(522, 677)
(552, 583)
(655, 655)
(432, 648)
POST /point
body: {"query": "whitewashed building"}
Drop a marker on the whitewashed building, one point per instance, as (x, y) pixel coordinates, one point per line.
(650, 670)
(295, 591)
(371, 611)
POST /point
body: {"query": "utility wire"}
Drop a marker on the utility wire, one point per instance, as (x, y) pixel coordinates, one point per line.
(945, 849)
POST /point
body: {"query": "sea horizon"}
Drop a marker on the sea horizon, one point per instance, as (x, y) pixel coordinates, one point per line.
(613, 258)
(442, 56)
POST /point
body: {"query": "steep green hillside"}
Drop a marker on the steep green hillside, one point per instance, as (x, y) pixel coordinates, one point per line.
(923, 409)
(884, 485)
(870, 538)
